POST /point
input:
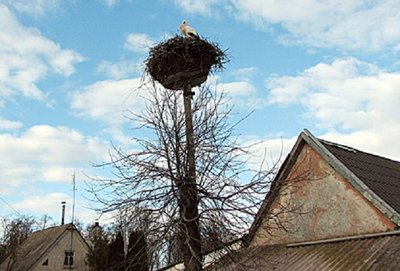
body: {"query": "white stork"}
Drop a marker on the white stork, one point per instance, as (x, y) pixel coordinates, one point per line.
(187, 31)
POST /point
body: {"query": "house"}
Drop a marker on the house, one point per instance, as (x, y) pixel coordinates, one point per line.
(55, 248)
(209, 257)
(330, 207)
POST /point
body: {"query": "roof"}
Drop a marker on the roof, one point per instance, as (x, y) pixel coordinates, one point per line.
(380, 174)
(36, 246)
(367, 252)
(376, 178)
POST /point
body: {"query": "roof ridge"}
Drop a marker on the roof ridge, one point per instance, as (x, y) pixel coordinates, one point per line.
(348, 148)
(346, 238)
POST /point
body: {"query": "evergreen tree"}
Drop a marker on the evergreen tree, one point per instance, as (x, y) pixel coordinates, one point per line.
(99, 254)
(137, 258)
(116, 257)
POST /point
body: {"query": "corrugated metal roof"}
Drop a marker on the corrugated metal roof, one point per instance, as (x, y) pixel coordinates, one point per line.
(379, 252)
(380, 174)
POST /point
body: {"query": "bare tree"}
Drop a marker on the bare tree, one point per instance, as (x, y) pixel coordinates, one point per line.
(154, 177)
(45, 221)
(15, 231)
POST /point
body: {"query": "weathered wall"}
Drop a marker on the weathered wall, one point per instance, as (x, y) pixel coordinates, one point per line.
(56, 256)
(317, 203)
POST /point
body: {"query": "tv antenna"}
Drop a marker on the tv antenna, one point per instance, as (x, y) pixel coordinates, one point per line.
(73, 197)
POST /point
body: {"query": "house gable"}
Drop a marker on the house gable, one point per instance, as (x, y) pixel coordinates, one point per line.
(316, 197)
(54, 256)
(44, 250)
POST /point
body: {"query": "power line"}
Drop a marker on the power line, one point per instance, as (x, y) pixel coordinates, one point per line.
(9, 205)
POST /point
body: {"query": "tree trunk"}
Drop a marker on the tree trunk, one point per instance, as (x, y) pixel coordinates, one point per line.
(190, 230)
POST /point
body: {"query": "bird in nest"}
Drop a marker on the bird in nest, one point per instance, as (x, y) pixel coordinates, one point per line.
(188, 31)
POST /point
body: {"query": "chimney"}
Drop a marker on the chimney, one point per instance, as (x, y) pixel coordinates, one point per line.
(63, 212)
(96, 230)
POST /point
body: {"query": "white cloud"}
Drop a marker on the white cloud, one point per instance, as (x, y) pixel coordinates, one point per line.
(241, 91)
(107, 100)
(45, 153)
(57, 173)
(119, 70)
(138, 42)
(245, 73)
(49, 203)
(270, 152)
(243, 94)
(9, 125)
(349, 25)
(28, 57)
(356, 101)
(238, 88)
(203, 7)
(111, 3)
(32, 7)
(354, 25)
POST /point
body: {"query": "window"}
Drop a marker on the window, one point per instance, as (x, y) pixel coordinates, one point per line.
(69, 258)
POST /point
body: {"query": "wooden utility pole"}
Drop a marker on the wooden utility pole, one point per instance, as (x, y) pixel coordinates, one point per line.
(179, 64)
(190, 229)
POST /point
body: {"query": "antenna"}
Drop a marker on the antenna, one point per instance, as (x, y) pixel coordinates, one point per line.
(73, 198)
(72, 219)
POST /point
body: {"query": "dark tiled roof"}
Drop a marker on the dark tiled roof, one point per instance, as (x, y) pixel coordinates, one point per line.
(36, 245)
(379, 252)
(380, 174)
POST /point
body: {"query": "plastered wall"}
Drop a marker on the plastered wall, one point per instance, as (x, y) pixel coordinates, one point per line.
(316, 203)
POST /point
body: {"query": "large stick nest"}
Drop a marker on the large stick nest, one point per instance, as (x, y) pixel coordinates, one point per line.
(178, 62)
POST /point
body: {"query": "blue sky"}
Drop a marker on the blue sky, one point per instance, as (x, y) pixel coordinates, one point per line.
(68, 70)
